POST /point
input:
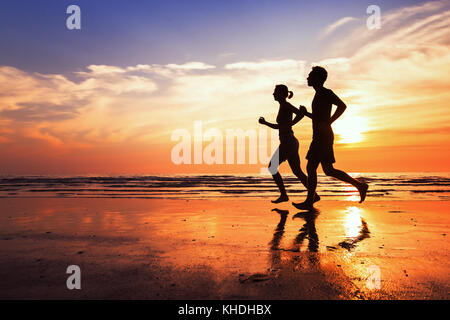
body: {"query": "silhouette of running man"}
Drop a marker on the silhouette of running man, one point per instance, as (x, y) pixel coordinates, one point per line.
(288, 149)
(321, 149)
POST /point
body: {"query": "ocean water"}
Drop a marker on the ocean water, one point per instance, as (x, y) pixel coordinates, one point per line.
(383, 186)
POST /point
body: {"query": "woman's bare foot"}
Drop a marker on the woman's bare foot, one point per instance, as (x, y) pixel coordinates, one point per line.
(363, 191)
(282, 198)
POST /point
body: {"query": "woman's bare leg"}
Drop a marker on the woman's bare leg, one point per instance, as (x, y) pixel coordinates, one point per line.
(273, 168)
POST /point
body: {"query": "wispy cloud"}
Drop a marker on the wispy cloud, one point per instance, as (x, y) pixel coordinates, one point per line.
(396, 77)
(335, 25)
(109, 104)
(191, 66)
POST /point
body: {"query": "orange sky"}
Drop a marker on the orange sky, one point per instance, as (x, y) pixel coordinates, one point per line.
(119, 120)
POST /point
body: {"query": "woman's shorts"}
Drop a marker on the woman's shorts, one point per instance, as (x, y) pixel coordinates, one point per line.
(288, 148)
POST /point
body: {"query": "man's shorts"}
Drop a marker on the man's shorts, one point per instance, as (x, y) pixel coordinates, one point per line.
(321, 148)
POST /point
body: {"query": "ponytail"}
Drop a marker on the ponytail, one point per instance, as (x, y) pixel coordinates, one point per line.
(284, 91)
(290, 94)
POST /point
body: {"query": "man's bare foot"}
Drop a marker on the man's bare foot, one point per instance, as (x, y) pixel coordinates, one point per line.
(282, 198)
(303, 206)
(363, 191)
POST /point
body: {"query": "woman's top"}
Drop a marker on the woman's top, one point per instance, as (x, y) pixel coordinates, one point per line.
(284, 121)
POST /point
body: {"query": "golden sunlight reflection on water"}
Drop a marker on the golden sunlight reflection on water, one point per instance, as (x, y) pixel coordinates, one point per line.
(352, 222)
(351, 189)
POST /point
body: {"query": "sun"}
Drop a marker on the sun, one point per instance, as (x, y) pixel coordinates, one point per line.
(350, 129)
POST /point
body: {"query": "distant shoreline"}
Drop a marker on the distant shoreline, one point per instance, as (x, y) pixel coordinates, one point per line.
(383, 186)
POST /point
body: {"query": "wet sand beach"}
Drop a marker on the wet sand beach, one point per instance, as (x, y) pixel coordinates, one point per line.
(224, 249)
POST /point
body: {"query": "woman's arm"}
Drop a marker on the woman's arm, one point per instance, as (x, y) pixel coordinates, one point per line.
(297, 119)
(299, 114)
(270, 125)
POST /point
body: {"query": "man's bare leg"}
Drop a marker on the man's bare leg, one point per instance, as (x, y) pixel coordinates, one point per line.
(362, 187)
(311, 169)
(294, 163)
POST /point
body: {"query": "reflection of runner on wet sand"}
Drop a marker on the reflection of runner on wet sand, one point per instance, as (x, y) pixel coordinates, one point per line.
(364, 233)
(279, 230)
(350, 242)
(296, 271)
(275, 251)
(308, 230)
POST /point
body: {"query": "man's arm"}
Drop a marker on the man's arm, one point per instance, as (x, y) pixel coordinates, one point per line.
(340, 108)
(305, 112)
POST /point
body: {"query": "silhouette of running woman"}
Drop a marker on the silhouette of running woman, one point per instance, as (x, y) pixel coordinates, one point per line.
(288, 149)
(321, 149)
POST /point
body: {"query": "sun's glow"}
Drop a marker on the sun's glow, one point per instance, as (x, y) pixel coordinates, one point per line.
(350, 129)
